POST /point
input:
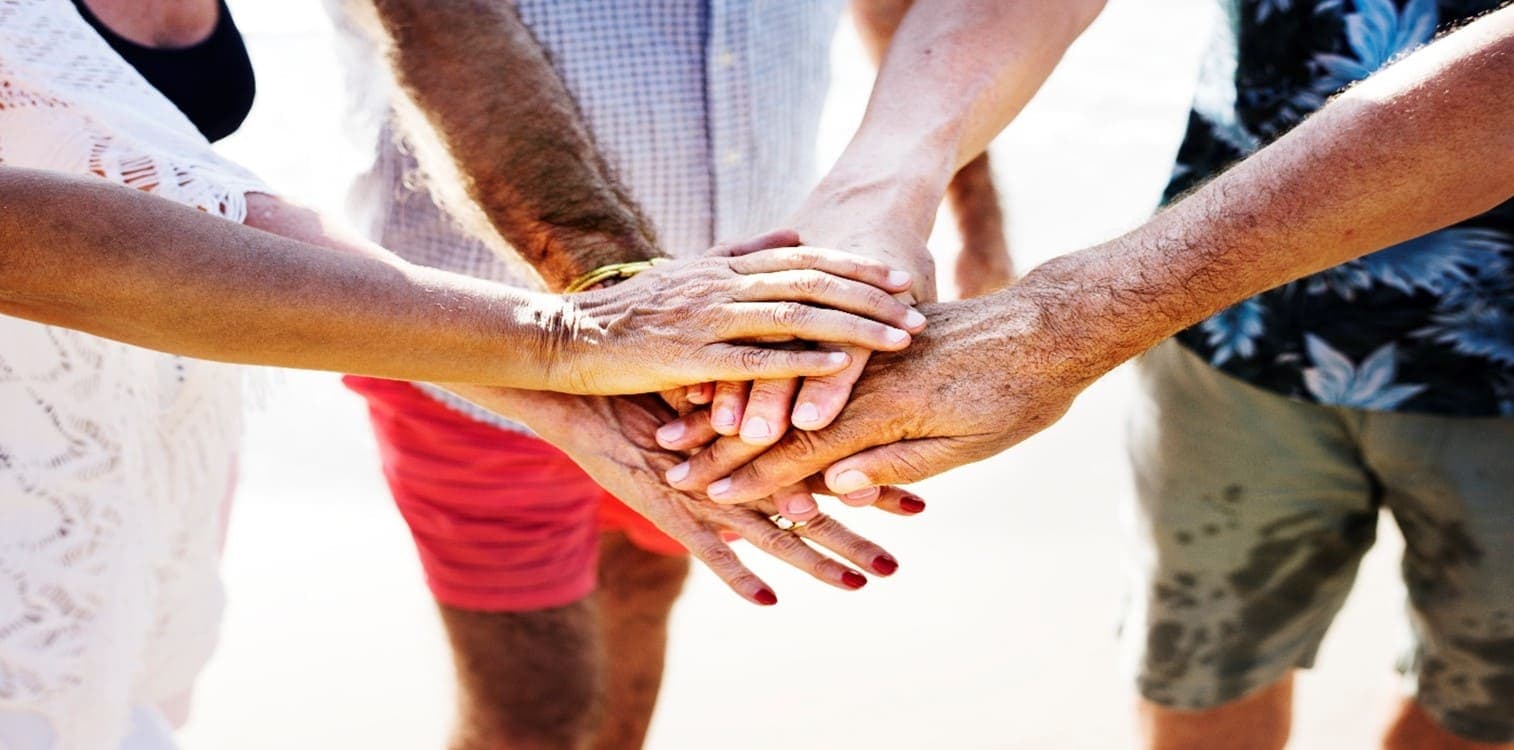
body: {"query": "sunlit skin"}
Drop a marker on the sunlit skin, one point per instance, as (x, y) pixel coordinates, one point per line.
(1424, 144)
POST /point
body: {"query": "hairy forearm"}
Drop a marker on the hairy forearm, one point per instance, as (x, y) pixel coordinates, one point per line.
(85, 254)
(497, 120)
(1424, 144)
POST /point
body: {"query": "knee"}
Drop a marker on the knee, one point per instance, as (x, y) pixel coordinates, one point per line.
(1415, 729)
(1259, 721)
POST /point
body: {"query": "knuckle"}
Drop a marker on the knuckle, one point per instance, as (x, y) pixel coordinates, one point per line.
(812, 283)
(822, 527)
(750, 359)
(744, 581)
(774, 539)
(719, 557)
(791, 314)
(878, 299)
(800, 257)
(827, 569)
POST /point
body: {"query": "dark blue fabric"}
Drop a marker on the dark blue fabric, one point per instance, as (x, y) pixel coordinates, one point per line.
(1425, 326)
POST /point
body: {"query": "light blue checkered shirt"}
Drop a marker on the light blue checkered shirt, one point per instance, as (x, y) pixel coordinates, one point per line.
(707, 110)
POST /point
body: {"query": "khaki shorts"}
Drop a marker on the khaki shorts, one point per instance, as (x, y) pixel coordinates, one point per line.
(1253, 511)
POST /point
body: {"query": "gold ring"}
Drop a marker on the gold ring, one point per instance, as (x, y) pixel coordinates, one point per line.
(785, 524)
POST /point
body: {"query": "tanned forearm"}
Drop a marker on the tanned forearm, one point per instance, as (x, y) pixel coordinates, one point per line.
(510, 134)
(1423, 144)
(85, 254)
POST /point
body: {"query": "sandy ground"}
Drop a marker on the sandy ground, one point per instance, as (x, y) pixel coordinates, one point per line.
(997, 632)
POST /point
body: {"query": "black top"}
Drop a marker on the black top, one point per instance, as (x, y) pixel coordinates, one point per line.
(211, 81)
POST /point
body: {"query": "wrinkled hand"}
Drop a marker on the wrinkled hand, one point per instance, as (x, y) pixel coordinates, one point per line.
(611, 438)
(700, 320)
(763, 411)
(987, 374)
(760, 412)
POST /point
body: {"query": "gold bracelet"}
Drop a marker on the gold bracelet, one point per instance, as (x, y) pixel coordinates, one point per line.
(616, 271)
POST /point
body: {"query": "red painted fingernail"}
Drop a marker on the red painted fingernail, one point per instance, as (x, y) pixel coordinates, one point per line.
(885, 565)
(853, 579)
(911, 504)
(765, 597)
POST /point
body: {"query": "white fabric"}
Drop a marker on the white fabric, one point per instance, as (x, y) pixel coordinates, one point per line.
(708, 110)
(29, 731)
(114, 460)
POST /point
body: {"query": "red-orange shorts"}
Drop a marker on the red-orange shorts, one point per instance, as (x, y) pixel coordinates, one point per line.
(503, 521)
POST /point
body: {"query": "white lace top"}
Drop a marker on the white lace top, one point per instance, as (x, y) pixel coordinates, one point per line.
(114, 460)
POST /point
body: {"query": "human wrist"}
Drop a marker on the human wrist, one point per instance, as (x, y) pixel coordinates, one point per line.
(555, 341)
(884, 213)
(572, 254)
(1071, 315)
(892, 177)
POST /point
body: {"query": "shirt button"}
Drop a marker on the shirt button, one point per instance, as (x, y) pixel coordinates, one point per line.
(732, 157)
(725, 59)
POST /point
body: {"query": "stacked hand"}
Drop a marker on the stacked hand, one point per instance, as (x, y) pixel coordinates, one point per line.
(914, 413)
(611, 438)
(729, 316)
(739, 314)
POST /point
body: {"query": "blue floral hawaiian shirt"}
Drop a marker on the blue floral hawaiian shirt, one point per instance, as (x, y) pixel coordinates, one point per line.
(1425, 326)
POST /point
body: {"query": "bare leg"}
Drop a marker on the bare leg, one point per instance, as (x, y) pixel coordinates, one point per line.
(526, 680)
(1413, 729)
(636, 594)
(1260, 721)
(585, 675)
(984, 263)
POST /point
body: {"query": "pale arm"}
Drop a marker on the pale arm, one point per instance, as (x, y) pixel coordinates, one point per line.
(984, 263)
(953, 74)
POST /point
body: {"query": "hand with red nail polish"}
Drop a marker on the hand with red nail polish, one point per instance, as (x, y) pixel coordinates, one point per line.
(612, 438)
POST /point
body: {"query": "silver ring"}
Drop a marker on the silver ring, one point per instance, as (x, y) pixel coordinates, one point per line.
(785, 524)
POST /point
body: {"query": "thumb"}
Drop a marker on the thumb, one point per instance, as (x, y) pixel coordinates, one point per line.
(896, 463)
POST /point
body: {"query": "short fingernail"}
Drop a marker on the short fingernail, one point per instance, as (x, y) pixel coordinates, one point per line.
(853, 580)
(723, 418)
(719, 488)
(756, 428)
(895, 335)
(911, 504)
(670, 432)
(885, 565)
(914, 319)
(679, 473)
(799, 506)
(807, 414)
(868, 495)
(850, 481)
(765, 597)
(898, 278)
(837, 358)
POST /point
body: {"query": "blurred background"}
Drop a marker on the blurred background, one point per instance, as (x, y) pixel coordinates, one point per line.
(999, 631)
